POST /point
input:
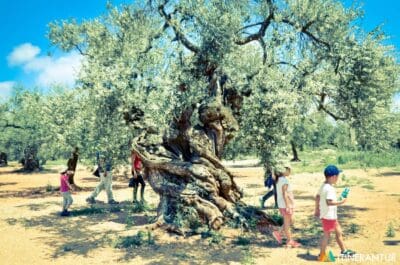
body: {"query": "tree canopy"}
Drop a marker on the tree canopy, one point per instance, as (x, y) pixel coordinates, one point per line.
(275, 59)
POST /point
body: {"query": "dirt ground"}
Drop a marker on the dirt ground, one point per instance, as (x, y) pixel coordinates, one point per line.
(32, 232)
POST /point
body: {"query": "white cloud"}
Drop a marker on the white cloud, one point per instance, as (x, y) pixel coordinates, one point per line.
(22, 54)
(5, 89)
(396, 102)
(61, 70)
(46, 70)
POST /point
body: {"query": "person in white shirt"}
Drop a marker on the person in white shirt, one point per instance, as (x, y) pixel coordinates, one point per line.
(286, 205)
(326, 209)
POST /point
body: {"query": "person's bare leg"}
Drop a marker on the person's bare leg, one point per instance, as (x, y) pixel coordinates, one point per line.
(286, 226)
(339, 237)
(324, 242)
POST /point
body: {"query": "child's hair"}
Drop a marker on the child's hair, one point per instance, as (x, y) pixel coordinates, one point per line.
(279, 172)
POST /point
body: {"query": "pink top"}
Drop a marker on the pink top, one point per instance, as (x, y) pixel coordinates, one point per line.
(64, 180)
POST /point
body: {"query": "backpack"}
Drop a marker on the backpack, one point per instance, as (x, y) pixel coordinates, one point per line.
(96, 172)
(269, 181)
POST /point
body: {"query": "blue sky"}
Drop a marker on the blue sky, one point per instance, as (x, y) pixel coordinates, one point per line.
(24, 48)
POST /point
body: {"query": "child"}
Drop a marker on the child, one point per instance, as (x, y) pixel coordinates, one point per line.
(137, 177)
(286, 205)
(65, 189)
(271, 185)
(326, 209)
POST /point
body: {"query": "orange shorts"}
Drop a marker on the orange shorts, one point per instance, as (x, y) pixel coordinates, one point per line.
(329, 225)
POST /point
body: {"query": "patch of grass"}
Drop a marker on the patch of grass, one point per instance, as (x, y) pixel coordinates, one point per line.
(390, 231)
(182, 255)
(242, 240)
(68, 247)
(311, 232)
(316, 160)
(50, 188)
(58, 162)
(88, 211)
(368, 186)
(27, 222)
(355, 181)
(353, 228)
(129, 221)
(139, 207)
(214, 237)
(11, 221)
(95, 210)
(364, 159)
(140, 239)
(276, 216)
(247, 257)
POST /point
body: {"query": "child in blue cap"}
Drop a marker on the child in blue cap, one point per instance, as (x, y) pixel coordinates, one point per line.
(326, 204)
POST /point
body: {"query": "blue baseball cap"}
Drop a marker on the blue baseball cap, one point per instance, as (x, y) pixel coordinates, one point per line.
(331, 170)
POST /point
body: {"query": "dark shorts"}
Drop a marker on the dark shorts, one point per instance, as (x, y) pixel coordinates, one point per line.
(138, 180)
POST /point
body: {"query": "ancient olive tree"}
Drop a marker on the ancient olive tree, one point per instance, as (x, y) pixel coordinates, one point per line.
(21, 130)
(36, 127)
(176, 80)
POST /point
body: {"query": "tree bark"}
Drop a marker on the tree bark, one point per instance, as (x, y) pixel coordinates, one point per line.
(294, 151)
(30, 162)
(184, 167)
(71, 164)
(3, 159)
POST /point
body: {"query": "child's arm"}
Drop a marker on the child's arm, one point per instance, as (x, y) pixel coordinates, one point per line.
(316, 211)
(335, 203)
(68, 184)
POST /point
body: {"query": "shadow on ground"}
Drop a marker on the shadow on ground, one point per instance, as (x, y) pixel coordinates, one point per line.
(45, 191)
(7, 183)
(77, 231)
(99, 226)
(307, 257)
(391, 242)
(390, 174)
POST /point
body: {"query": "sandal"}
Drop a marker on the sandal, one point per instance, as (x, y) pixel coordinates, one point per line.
(293, 244)
(277, 237)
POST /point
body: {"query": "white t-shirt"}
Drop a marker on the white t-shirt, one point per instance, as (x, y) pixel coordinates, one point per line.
(327, 192)
(281, 201)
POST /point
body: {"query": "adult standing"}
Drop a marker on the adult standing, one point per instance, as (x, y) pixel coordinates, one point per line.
(137, 174)
(71, 165)
(105, 172)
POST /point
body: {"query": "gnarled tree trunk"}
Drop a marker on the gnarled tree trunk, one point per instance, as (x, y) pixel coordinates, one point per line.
(3, 159)
(184, 167)
(30, 162)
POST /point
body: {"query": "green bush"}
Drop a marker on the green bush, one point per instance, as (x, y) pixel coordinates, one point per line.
(140, 239)
(354, 228)
(390, 232)
(50, 188)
